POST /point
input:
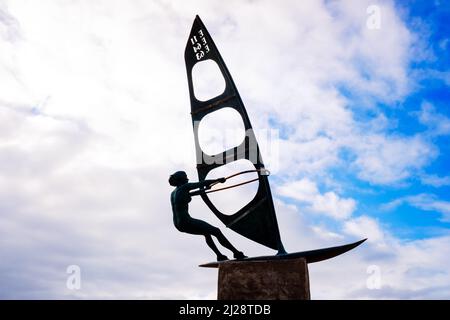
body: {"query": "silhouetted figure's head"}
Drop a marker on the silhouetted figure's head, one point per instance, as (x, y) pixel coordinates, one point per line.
(178, 178)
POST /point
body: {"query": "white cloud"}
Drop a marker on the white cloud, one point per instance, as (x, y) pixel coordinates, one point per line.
(435, 181)
(333, 48)
(443, 76)
(328, 203)
(94, 115)
(408, 270)
(364, 227)
(324, 233)
(311, 157)
(116, 53)
(427, 202)
(381, 159)
(438, 124)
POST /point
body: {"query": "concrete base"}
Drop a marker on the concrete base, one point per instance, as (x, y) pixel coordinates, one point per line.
(264, 280)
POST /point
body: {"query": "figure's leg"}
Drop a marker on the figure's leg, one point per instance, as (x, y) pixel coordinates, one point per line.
(212, 245)
(224, 241)
(195, 226)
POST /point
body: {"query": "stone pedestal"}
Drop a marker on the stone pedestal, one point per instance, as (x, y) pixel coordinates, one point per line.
(264, 280)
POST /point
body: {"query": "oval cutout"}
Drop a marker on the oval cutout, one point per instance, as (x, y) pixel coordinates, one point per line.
(231, 200)
(207, 80)
(221, 130)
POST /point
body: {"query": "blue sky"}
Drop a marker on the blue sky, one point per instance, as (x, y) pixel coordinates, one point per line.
(421, 195)
(406, 220)
(94, 116)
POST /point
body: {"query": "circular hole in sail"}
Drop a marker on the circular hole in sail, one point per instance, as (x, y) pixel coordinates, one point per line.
(207, 80)
(221, 130)
(230, 201)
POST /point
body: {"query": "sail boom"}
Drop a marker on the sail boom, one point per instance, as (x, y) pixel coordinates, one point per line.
(244, 214)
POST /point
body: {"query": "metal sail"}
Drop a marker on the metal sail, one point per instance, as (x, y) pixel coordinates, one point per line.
(257, 220)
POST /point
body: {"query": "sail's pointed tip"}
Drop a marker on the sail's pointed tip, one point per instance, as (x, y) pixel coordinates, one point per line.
(197, 22)
(197, 18)
(357, 243)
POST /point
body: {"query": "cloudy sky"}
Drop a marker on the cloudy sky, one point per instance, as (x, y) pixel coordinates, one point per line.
(94, 116)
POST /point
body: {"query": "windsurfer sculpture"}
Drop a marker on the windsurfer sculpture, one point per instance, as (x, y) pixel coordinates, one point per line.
(180, 199)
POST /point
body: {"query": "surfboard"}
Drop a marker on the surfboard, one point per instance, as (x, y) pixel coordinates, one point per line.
(311, 256)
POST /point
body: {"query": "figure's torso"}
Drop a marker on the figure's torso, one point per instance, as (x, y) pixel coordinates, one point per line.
(180, 199)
